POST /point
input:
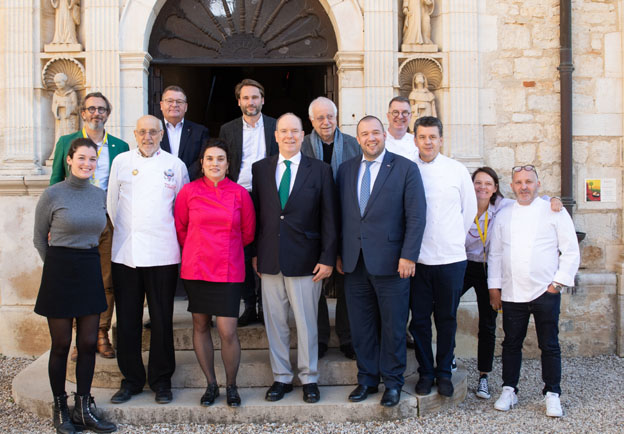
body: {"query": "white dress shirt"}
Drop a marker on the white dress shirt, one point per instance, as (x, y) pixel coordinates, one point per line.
(404, 146)
(141, 194)
(451, 209)
(374, 171)
(254, 149)
(175, 135)
(101, 173)
(524, 251)
(295, 161)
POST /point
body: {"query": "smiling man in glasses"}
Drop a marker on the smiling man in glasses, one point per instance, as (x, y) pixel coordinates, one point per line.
(94, 112)
(534, 254)
(398, 140)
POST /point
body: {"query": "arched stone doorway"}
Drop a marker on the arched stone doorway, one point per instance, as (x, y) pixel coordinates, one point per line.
(208, 46)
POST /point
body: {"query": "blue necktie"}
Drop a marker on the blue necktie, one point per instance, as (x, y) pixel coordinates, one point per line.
(365, 187)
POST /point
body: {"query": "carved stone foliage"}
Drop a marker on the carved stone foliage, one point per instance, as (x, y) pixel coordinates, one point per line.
(256, 31)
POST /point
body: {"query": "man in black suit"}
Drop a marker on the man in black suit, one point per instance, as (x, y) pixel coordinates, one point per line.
(296, 240)
(183, 138)
(328, 143)
(383, 220)
(250, 138)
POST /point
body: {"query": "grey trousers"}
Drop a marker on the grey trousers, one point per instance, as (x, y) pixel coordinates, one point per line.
(279, 294)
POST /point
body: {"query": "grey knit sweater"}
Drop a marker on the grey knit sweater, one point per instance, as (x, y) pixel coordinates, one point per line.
(73, 212)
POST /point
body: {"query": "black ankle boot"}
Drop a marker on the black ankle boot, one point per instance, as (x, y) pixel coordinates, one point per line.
(84, 418)
(62, 421)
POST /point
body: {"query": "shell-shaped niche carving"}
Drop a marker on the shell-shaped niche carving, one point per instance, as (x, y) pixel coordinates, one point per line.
(428, 66)
(72, 68)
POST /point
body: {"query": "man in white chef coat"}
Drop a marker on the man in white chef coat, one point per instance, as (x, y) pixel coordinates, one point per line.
(142, 188)
(534, 254)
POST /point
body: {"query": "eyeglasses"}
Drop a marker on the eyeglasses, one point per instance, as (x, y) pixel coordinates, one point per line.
(172, 101)
(528, 168)
(152, 133)
(100, 110)
(396, 113)
(322, 118)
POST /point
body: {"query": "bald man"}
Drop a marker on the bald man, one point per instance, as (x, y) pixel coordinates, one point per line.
(142, 188)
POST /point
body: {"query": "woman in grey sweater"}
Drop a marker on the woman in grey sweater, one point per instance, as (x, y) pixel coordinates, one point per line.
(69, 219)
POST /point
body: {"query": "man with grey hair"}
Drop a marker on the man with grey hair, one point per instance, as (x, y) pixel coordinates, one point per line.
(142, 188)
(328, 143)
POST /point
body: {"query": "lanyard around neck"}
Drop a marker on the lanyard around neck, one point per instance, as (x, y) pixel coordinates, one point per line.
(99, 151)
(482, 233)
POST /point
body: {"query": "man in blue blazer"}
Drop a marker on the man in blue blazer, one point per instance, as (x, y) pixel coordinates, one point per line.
(383, 219)
(182, 137)
(296, 242)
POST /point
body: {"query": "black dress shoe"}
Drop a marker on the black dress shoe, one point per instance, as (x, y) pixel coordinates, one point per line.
(391, 397)
(348, 351)
(322, 349)
(232, 396)
(361, 392)
(148, 324)
(311, 393)
(163, 396)
(424, 385)
(249, 316)
(277, 391)
(445, 387)
(123, 395)
(209, 396)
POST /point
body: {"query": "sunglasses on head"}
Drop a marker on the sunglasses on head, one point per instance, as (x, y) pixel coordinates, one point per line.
(527, 167)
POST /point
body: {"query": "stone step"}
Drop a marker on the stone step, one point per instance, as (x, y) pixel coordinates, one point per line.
(254, 370)
(252, 336)
(31, 393)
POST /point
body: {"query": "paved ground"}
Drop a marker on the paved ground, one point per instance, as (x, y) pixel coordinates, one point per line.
(593, 401)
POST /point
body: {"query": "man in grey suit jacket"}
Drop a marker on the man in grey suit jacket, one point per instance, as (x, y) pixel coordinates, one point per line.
(328, 143)
(250, 138)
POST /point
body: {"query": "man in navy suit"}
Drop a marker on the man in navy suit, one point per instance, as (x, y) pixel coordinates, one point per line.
(250, 138)
(296, 240)
(183, 138)
(383, 220)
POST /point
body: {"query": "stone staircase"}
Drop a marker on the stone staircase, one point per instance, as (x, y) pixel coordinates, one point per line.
(338, 376)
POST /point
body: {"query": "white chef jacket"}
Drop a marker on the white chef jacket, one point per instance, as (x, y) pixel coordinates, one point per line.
(524, 251)
(451, 209)
(141, 195)
(405, 146)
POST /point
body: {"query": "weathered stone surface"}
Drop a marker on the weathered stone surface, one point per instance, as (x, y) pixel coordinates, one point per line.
(500, 159)
(513, 36)
(525, 154)
(513, 99)
(544, 103)
(519, 133)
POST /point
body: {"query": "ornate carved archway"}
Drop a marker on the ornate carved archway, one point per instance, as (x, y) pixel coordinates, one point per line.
(242, 31)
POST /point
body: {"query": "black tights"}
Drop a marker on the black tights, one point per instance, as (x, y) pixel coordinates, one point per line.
(204, 350)
(86, 341)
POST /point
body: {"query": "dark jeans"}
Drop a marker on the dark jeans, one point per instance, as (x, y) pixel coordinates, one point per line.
(476, 276)
(378, 308)
(545, 310)
(132, 285)
(251, 293)
(342, 317)
(435, 289)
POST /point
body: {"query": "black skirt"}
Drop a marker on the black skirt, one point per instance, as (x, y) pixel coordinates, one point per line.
(71, 284)
(213, 298)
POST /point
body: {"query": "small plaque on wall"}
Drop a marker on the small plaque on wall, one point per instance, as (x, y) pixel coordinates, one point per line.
(600, 190)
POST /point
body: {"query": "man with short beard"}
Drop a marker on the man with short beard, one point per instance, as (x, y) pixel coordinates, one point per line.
(250, 138)
(94, 112)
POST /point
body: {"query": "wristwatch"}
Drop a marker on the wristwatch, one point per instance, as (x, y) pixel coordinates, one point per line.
(558, 286)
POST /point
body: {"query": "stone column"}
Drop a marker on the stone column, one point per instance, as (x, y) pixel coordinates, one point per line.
(351, 102)
(19, 42)
(460, 104)
(134, 87)
(101, 24)
(380, 54)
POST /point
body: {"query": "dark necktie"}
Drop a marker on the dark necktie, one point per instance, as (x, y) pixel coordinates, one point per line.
(365, 187)
(284, 187)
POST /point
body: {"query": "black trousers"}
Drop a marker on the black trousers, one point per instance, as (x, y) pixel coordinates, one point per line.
(476, 277)
(252, 292)
(132, 285)
(342, 317)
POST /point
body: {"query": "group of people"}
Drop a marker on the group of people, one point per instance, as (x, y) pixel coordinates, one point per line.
(394, 224)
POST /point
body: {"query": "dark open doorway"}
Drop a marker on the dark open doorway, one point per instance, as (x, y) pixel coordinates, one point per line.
(210, 90)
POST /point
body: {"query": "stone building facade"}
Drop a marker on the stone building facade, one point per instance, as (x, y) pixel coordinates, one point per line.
(496, 86)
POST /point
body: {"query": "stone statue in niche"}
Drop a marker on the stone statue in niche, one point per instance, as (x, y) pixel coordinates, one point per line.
(64, 108)
(417, 26)
(422, 100)
(67, 17)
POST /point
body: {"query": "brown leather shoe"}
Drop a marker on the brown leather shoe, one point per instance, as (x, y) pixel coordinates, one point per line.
(74, 353)
(104, 346)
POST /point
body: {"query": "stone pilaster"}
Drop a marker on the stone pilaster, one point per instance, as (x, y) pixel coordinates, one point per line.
(350, 66)
(101, 23)
(19, 40)
(134, 75)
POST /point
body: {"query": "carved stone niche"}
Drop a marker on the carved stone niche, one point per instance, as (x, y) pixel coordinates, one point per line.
(64, 77)
(418, 78)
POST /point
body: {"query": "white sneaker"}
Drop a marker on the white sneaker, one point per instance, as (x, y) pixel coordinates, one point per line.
(507, 400)
(553, 405)
(483, 391)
